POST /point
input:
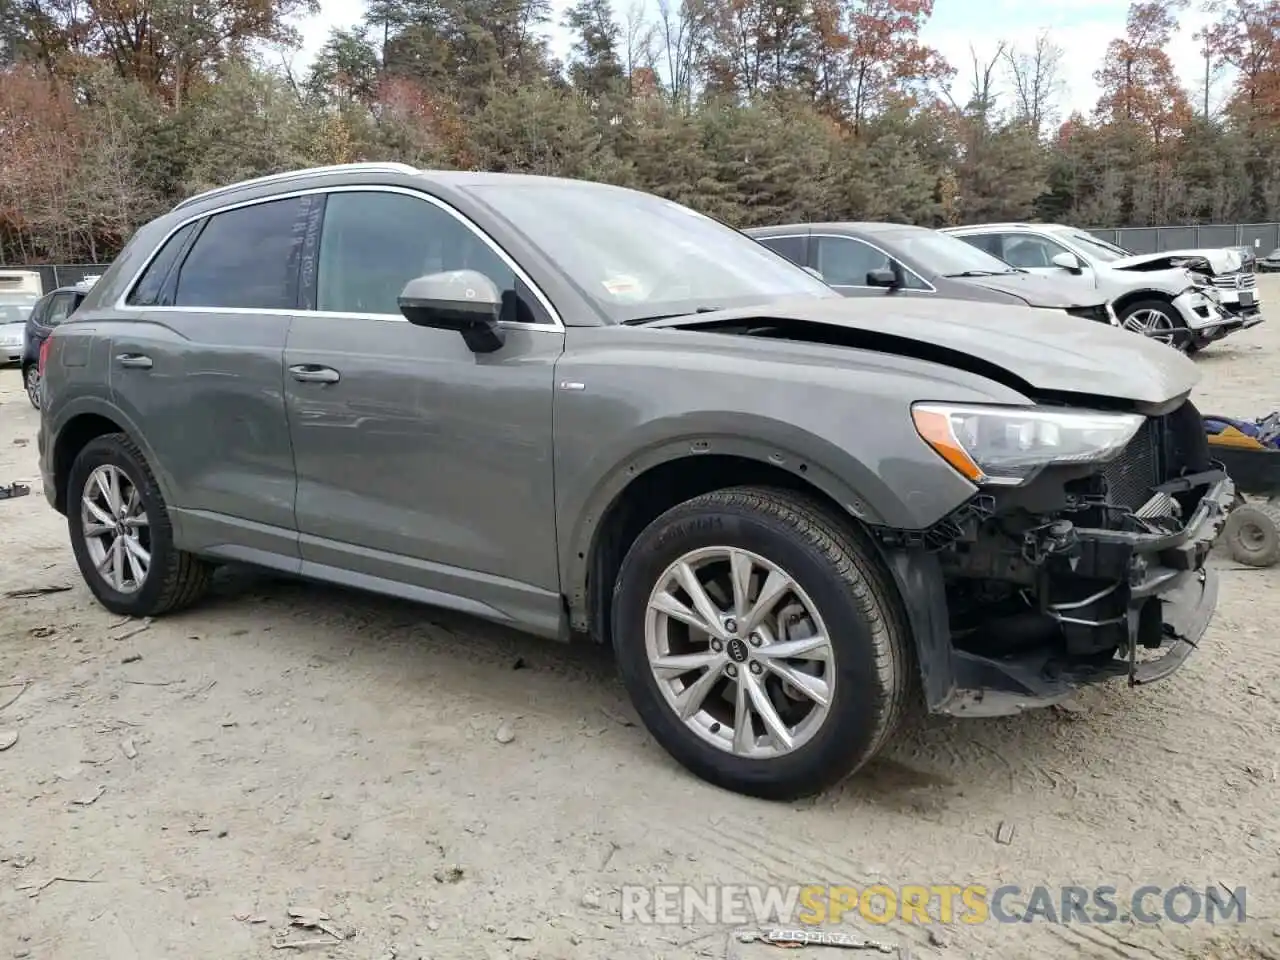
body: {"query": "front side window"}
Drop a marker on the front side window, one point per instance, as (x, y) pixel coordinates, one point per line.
(246, 258)
(1030, 251)
(374, 242)
(944, 254)
(845, 262)
(636, 256)
(1097, 249)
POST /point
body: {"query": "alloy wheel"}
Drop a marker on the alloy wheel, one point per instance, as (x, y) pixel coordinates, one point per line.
(739, 652)
(116, 530)
(31, 380)
(1150, 323)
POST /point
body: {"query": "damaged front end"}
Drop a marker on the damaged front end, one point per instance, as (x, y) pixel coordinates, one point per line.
(1084, 572)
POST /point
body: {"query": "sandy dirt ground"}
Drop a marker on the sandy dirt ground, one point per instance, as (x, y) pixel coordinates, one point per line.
(440, 788)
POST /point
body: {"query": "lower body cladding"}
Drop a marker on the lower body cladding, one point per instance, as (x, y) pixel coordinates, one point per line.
(1021, 597)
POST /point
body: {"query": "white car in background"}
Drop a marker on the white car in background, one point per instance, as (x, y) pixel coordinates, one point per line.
(19, 291)
(1181, 297)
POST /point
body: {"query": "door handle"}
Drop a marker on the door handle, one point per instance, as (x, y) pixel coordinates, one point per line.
(314, 373)
(134, 361)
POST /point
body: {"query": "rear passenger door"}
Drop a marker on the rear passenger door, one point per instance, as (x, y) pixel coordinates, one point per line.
(199, 370)
(421, 463)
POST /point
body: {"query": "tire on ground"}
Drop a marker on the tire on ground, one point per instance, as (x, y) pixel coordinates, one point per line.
(839, 570)
(174, 579)
(1252, 534)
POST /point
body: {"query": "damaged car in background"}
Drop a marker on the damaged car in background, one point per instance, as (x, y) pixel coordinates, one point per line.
(1185, 298)
(899, 260)
(788, 511)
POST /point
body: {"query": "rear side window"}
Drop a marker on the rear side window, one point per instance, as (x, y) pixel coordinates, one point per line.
(150, 288)
(793, 248)
(246, 258)
(987, 242)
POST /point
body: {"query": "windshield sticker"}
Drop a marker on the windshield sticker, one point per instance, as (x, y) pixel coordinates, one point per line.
(620, 286)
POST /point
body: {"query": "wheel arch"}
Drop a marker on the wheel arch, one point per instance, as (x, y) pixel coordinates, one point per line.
(642, 489)
(87, 421)
(1128, 299)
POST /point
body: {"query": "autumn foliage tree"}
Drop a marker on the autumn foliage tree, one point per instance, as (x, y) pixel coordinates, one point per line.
(752, 111)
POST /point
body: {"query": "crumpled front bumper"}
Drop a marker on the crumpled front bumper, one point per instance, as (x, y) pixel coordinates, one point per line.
(1170, 567)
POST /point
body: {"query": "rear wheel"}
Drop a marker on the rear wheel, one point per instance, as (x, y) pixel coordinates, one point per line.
(760, 641)
(122, 536)
(1154, 319)
(31, 382)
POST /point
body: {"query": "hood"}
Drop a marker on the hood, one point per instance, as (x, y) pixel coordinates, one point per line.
(1043, 352)
(1220, 260)
(1035, 290)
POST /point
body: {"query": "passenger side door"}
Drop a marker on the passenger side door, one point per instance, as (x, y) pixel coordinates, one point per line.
(198, 368)
(844, 263)
(423, 468)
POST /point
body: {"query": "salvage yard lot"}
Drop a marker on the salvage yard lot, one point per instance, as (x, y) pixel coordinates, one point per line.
(442, 788)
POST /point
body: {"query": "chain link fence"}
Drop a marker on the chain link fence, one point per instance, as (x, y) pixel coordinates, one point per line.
(54, 275)
(1262, 238)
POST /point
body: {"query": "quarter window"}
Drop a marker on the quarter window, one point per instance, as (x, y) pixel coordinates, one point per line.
(374, 242)
(150, 289)
(246, 258)
(63, 305)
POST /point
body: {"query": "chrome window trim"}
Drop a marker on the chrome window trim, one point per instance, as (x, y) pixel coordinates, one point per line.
(287, 175)
(122, 306)
(929, 287)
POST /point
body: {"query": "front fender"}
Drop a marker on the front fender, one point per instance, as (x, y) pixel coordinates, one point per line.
(839, 419)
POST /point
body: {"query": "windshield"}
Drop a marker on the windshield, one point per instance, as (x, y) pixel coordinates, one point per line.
(947, 255)
(637, 256)
(1095, 248)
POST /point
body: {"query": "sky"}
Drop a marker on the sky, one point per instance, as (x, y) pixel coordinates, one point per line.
(1082, 28)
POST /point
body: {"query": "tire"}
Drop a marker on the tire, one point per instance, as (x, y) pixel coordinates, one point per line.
(838, 573)
(1252, 532)
(173, 579)
(1140, 318)
(31, 383)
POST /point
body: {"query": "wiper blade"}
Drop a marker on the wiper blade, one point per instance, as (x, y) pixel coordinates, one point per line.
(976, 273)
(641, 321)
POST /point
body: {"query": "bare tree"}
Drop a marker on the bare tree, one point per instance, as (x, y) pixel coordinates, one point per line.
(1036, 78)
(637, 40)
(683, 34)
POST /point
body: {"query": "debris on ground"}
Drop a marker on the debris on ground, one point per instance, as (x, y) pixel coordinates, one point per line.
(504, 734)
(89, 801)
(22, 688)
(311, 919)
(128, 749)
(1004, 833)
(35, 888)
(792, 939)
(450, 874)
(26, 593)
(8, 738)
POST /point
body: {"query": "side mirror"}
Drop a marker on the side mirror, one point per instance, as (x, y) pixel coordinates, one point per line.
(464, 301)
(1067, 261)
(883, 277)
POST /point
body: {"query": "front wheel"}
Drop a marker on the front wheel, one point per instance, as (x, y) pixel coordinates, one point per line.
(760, 641)
(122, 536)
(31, 383)
(1154, 319)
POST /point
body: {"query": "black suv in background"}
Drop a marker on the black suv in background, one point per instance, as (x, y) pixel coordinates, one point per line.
(49, 311)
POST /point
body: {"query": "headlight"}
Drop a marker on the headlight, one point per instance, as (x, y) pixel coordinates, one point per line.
(1008, 446)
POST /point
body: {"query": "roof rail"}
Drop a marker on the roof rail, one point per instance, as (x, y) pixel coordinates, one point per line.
(373, 167)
